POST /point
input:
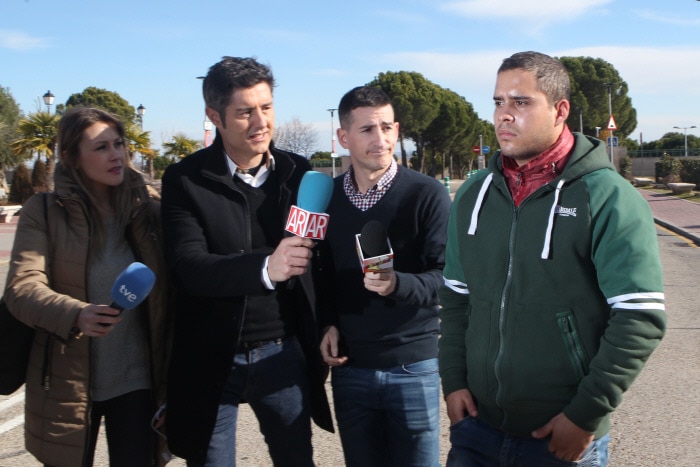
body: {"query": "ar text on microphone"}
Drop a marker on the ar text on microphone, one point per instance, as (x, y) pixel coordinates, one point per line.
(303, 223)
(307, 219)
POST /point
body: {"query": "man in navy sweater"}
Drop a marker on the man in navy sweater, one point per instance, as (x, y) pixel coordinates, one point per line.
(382, 327)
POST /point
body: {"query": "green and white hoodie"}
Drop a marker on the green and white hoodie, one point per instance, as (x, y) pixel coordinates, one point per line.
(554, 305)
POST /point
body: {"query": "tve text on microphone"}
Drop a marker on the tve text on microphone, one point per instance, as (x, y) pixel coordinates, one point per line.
(130, 296)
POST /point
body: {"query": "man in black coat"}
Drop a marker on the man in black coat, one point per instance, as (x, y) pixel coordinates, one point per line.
(243, 330)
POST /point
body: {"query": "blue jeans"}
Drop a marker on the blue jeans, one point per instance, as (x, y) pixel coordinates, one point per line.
(389, 417)
(273, 380)
(476, 444)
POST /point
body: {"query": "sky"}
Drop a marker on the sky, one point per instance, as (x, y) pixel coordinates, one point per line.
(151, 52)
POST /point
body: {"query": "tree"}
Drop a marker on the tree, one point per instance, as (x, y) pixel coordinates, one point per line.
(594, 84)
(296, 137)
(21, 188)
(140, 142)
(320, 156)
(416, 103)
(674, 140)
(180, 146)
(39, 176)
(160, 163)
(38, 134)
(9, 119)
(443, 125)
(105, 100)
(447, 135)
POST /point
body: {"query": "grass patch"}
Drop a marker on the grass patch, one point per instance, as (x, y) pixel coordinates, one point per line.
(693, 196)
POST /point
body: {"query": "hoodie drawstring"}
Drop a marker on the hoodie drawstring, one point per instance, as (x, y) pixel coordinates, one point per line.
(550, 223)
(479, 202)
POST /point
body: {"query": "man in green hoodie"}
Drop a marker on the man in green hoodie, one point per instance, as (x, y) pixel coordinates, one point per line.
(553, 296)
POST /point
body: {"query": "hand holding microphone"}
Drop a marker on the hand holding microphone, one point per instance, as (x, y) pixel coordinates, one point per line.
(308, 219)
(132, 286)
(128, 291)
(290, 258)
(376, 258)
(308, 222)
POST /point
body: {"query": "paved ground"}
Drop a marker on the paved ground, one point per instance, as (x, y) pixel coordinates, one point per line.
(657, 424)
(678, 215)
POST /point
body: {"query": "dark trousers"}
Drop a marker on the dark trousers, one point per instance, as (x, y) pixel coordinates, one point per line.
(130, 440)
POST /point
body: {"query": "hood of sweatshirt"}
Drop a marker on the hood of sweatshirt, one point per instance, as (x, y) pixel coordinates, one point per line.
(588, 155)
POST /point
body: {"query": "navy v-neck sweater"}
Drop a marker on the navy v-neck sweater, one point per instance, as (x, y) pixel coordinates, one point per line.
(402, 328)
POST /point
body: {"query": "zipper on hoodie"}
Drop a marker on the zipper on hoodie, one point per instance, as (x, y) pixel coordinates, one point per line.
(572, 341)
(502, 310)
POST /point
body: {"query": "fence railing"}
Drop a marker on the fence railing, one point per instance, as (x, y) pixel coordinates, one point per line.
(660, 152)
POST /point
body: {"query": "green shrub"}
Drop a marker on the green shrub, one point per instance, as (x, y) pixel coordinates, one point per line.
(626, 167)
(21, 188)
(690, 171)
(39, 176)
(668, 169)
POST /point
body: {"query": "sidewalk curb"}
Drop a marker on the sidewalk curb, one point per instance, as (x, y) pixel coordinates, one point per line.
(677, 230)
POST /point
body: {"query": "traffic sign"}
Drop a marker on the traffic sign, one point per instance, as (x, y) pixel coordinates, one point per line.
(614, 141)
(485, 149)
(476, 149)
(611, 124)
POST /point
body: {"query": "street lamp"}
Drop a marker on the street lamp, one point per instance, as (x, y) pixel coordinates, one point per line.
(610, 88)
(333, 155)
(48, 100)
(597, 131)
(685, 131)
(580, 119)
(141, 110)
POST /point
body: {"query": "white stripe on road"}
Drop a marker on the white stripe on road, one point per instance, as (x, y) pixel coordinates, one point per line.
(12, 424)
(16, 399)
(17, 421)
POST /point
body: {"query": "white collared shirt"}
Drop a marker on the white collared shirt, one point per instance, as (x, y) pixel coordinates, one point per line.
(253, 180)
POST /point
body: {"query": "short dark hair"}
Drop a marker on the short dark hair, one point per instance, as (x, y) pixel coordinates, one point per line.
(361, 96)
(552, 76)
(230, 74)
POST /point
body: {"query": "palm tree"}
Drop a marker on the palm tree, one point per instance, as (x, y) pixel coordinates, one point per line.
(38, 134)
(180, 146)
(3, 180)
(140, 141)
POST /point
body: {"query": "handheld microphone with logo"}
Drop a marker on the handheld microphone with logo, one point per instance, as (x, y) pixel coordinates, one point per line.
(374, 248)
(132, 286)
(308, 219)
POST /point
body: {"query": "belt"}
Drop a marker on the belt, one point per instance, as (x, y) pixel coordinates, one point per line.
(251, 345)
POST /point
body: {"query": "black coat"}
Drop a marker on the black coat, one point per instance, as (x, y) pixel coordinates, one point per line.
(206, 225)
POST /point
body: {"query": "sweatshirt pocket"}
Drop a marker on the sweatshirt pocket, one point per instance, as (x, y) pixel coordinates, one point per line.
(572, 341)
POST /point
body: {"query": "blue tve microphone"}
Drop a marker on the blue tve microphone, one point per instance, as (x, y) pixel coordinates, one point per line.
(132, 286)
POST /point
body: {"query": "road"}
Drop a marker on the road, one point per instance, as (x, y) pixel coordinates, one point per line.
(658, 423)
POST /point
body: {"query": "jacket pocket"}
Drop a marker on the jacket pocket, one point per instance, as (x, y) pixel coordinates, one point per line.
(572, 342)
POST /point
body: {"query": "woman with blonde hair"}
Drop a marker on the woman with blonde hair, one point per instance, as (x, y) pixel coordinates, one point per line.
(88, 360)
